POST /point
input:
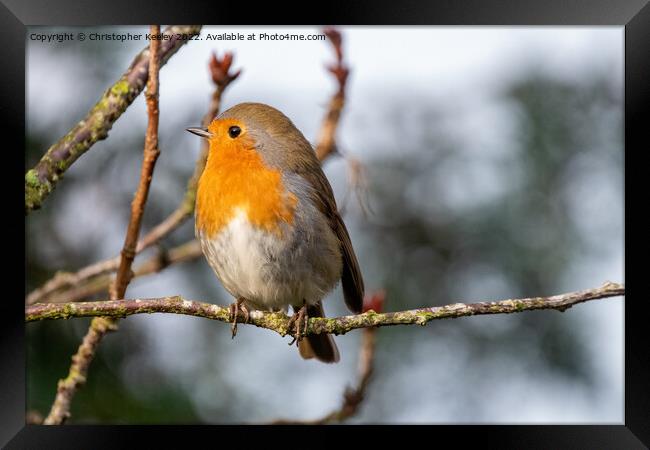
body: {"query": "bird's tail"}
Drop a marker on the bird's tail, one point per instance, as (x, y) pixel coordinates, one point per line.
(319, 346)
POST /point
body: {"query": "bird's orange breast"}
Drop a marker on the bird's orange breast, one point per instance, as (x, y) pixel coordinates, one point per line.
(236, 179)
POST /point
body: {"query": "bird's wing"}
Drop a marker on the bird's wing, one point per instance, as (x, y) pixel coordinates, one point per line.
(323, 197)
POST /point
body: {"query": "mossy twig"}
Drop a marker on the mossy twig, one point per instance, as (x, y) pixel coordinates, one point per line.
(279, 322)
(42, 179)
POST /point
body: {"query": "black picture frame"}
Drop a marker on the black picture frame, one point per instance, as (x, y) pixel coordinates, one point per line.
(634, 15)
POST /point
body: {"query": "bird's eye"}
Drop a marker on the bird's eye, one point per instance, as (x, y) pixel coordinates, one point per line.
(234, 131)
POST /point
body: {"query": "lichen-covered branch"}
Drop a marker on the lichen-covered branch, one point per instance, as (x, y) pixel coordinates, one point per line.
(99, 326)
(352, 397)
(81, 360)
(279, 322)
(71, 285)
(42, 179)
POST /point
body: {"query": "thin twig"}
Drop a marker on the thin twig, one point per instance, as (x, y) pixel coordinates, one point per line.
(326, 140)
(151, 153)
(279, 322)
(65, 284)
(159, 261)
(42, 179)
(101, 325)
(352, 397)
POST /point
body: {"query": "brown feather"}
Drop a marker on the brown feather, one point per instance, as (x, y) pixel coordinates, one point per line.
(351, 279)
(323, 197)
(319, 346)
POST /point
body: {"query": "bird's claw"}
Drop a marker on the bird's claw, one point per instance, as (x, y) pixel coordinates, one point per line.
(234, 312)
(301, 320)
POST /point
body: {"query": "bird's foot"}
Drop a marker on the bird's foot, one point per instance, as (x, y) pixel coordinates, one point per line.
(234, 312)
(301, 320)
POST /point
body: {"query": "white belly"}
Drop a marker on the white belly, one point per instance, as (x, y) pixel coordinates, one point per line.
(270, 272)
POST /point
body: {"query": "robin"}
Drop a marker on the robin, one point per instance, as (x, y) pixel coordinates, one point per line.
(268, 223)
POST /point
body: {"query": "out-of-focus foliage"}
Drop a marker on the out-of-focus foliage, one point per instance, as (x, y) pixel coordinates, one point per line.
(517, 242)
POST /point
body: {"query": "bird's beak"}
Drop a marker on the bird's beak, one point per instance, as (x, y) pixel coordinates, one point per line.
(203, 132)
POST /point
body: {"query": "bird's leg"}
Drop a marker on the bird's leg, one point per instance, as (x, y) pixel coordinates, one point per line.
(234, 312)
(301, 320)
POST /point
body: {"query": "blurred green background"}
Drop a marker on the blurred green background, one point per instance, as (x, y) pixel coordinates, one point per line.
(494, 161)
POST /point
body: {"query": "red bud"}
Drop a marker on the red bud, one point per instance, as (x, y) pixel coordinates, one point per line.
(220, 69)
(375, 301)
